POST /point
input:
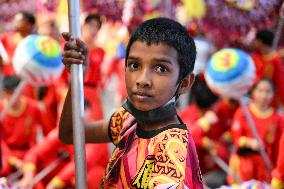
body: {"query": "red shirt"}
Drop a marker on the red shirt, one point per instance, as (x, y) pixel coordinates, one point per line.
(278, 172)
(46, 152)
(19, 127)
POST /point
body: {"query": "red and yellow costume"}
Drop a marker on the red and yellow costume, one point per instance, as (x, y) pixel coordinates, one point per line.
(163, 158)
(45, 153)
(205, 135)
(269, 127)
(52, 149)
(19, 126)
(271, 66)
(278, 173)
(97, 157)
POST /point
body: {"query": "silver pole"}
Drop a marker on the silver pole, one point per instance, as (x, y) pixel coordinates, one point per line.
(77, 101)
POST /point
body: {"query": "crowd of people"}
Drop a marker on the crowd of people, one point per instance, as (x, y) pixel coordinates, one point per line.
(218, 125)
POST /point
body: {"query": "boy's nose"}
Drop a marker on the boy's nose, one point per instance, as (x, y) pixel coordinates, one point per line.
(144, 79)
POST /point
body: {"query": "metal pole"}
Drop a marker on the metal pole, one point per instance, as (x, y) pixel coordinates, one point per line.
(77, 101)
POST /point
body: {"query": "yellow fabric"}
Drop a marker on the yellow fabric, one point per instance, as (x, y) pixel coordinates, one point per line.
(277, 184)
(204, 124)
(243, 141)
(13, 160)
(29, 166)
(57, 182)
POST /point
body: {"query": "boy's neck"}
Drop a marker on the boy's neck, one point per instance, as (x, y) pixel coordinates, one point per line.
(158, 125)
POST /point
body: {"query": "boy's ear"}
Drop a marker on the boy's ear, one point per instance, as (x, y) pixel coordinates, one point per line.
(186, 83)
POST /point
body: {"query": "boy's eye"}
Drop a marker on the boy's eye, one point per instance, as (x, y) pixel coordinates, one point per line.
(161, 69)
(132, 65)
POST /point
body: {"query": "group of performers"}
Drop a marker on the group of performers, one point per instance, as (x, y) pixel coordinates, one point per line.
(218, 125)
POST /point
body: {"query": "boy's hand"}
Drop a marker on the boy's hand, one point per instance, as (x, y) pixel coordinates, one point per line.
(75, 51)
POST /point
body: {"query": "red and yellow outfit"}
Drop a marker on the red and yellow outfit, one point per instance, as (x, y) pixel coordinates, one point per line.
(278, 173)
(210, 136)
(97, 157)
(163, 158)
(19, 126)
(269, 127)
(271, 66)
(63, 176)
(44, 153)
(9, 40)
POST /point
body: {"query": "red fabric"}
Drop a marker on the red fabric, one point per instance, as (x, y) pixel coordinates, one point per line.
(117, 67)
(19, 129)
(272, 67)
(278, 172)
(269, 129)
(10, 41)
(190, 114)
(93, 74)
(92, 83)
(224, 111)
(46, 152)
(97, 157)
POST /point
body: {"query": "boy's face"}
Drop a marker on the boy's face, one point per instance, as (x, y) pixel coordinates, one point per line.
(151, 75)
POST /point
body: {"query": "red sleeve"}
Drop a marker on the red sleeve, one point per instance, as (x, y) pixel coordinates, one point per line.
(237, 130)
(278, 79)
(47, 148)
(96, 156)
(278, 172)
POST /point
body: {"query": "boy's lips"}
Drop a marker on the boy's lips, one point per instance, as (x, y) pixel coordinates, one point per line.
(141, 95)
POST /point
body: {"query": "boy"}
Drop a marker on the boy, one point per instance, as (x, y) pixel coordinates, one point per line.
(154, 149)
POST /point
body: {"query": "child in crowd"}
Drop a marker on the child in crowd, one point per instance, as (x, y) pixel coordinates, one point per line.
(246, 160)
(19, 125)
(153, 148)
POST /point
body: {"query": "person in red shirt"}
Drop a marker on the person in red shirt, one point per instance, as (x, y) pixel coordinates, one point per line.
(246, 160)
(268, 63)
(92, 83)
(277, 181)
(20, 124)
(23, 26)
(209, 120)
(51, 149)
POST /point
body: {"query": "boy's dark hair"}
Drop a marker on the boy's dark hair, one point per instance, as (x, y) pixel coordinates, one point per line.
(91, 17)
(171, 33)
(29, 17)
(265, 36)
(10, 82)
(201, 95)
